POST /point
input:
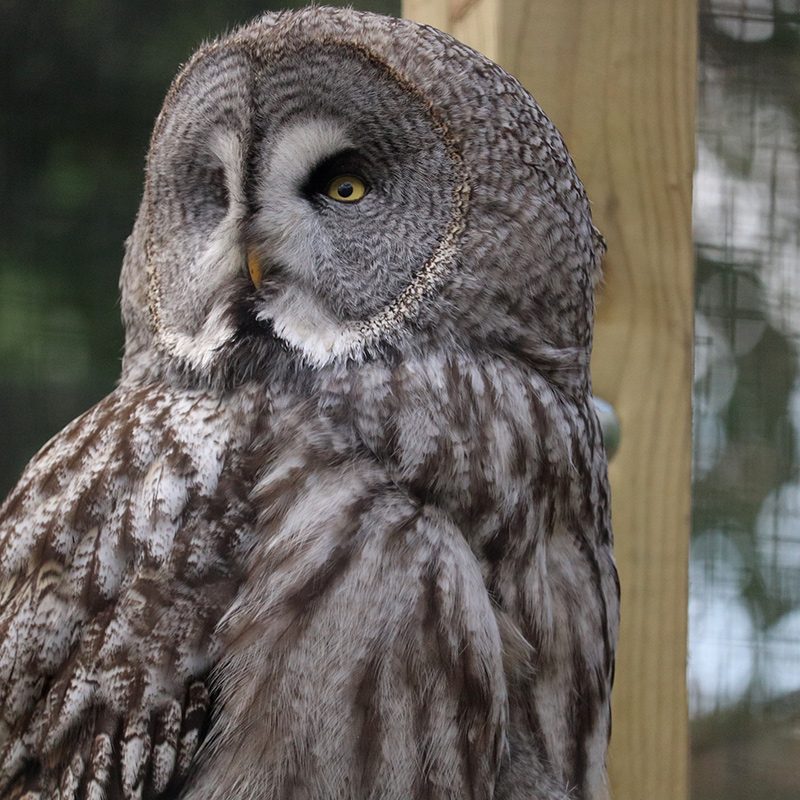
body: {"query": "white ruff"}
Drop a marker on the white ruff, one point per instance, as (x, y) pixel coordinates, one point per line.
(303, 324)
(306, 327)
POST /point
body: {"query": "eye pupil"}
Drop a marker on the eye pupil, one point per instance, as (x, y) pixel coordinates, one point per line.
(345, 189)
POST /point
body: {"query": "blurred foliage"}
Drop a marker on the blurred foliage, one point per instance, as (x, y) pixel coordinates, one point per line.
(81, 85)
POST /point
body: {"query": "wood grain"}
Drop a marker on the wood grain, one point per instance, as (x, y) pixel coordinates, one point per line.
(618, 78)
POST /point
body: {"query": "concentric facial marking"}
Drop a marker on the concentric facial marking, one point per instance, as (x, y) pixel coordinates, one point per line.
(355, 184)
(325, 168)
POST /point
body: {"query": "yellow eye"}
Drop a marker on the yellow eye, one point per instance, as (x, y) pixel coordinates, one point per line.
(346, 189)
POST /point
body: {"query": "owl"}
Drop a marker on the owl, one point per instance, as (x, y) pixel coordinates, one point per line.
(342, 529)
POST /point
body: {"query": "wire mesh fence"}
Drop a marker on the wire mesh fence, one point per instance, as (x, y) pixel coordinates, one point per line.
(744, 662)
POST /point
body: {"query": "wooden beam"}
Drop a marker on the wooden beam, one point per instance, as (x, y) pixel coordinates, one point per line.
(618, 79)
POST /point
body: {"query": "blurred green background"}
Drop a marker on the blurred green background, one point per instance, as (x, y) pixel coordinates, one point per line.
(82, 82)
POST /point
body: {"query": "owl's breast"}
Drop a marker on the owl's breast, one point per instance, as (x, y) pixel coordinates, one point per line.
(521, 470)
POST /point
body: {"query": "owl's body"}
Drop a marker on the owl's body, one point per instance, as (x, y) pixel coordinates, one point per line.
(346, 529)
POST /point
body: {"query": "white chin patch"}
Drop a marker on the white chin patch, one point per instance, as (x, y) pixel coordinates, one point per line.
(310, 329)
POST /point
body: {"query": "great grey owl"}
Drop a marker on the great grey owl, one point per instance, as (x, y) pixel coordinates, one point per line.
(342, 530)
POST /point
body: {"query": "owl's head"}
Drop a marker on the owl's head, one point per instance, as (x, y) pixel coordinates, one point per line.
(340, 184)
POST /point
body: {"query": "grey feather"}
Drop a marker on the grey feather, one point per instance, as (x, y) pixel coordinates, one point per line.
(346, 533)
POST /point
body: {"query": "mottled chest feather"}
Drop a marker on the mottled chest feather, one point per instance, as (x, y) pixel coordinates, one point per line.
(519, 466)
(120, 548)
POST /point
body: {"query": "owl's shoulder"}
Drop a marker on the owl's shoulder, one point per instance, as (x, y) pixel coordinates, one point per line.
(139, 454)
(119, 551)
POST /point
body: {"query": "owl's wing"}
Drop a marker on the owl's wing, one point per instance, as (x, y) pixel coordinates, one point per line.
(362, 646)
(117, 558)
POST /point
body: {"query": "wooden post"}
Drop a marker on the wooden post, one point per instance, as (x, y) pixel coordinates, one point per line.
(618, 79)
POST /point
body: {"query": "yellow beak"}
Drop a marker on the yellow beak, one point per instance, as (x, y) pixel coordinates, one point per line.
(254, 268)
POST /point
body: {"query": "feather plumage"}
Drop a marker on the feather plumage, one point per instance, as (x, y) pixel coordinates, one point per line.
(344, 534)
